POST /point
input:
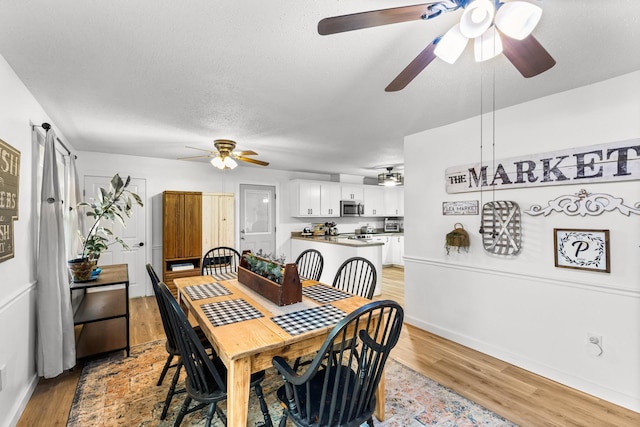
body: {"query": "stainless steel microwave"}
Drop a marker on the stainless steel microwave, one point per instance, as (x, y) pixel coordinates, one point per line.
(351, 208)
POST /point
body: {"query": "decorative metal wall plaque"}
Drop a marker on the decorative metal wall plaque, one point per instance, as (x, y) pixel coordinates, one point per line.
(467, 207)
(9, 184)
(584, 203)
(582, 249)
(609, 162)
(500, 227)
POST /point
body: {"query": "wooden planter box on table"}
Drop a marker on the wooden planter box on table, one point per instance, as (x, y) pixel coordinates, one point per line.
(290, 292)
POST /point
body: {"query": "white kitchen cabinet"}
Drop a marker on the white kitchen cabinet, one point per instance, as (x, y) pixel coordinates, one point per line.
(305, 199)
(395, 251)
(385, 248)
(394, 201)
(330, 194)
(387, 251)
(374, 201)
(352, 192)
(315, 199)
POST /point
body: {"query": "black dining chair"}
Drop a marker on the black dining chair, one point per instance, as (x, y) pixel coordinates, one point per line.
(221, 262)
(358, 276)
(206, 381)
(310, 264)
(338, 388)
(171, 344)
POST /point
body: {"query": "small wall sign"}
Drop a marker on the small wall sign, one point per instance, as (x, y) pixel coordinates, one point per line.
(468, 207)
(582, 249)
(9, 180)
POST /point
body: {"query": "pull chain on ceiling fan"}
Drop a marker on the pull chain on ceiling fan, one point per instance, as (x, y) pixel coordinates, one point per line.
(496, 27)
(225, 157)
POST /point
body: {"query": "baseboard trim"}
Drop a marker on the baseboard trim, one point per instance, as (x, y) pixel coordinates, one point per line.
(621, 399)
(23, 401)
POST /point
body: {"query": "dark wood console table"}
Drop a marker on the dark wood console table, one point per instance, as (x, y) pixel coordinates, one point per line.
(101, 317)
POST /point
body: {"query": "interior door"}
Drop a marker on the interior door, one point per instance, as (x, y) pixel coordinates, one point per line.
(133, 235)
(257, 218)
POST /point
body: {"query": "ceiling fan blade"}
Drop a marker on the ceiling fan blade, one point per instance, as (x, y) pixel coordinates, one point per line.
(414, 68)
(527, 55)
(196, 157)
(245, 153)
(201, 149)
(254, 161)
(374, 18)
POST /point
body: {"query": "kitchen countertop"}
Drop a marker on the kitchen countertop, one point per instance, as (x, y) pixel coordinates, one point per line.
(343, 240)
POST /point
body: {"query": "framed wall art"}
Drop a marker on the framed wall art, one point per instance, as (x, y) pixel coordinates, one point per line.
(582, 249)
(9, 191)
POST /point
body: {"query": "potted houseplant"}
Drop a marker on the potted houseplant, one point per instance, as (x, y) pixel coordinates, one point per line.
(113, 204)
(265, 265)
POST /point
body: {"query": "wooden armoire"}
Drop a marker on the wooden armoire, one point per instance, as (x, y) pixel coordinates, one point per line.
(181, 235)
(193, 223)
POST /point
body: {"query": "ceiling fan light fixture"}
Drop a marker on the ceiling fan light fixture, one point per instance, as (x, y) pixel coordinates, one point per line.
(451, 45)
(518, 19)
(488, 45)
(477, 18)
(218, 162)
(230, 163)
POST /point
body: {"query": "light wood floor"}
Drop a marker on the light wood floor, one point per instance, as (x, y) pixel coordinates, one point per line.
(518, 395)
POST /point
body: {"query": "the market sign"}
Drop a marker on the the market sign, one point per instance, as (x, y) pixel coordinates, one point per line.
(615, 161)
(9, 180)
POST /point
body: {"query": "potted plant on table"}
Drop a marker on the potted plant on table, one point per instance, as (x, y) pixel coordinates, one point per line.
(113, 204)
(270, 277)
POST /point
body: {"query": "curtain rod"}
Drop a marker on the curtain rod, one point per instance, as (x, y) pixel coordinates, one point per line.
(47, 126)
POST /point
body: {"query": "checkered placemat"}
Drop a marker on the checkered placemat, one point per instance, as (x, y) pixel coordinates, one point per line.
(230, 311)
(206, 290)
(307, 320)
(324, 293)
(225, 276)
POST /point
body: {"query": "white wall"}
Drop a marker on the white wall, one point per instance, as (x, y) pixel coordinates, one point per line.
(522, 309)
(180, 175)
(18, 110)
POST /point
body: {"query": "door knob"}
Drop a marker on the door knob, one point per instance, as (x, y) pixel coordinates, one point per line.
(141, 244)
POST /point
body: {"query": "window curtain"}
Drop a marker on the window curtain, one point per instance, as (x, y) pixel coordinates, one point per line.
(56, 344)
(75, 221)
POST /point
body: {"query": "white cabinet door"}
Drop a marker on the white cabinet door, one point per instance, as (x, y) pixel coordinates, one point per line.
(394, 201)
(386, 251)
(308, 199)
(396, 251)
(352, 192)
(374, 201)
(330, 199)
(218, 213)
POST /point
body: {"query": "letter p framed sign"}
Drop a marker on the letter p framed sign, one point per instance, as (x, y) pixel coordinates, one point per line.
(582, 249)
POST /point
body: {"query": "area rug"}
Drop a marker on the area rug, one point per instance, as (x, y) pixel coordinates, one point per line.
(121, 391)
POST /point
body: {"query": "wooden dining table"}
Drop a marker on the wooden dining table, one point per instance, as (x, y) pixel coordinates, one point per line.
(248, 345)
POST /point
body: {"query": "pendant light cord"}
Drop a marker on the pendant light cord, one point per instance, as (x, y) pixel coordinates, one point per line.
(481, 231)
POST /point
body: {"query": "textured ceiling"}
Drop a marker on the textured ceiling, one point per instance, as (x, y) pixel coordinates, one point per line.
(151, 77)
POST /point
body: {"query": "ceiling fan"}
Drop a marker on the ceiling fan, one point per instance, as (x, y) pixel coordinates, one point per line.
(224, 157)
(495, 26)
